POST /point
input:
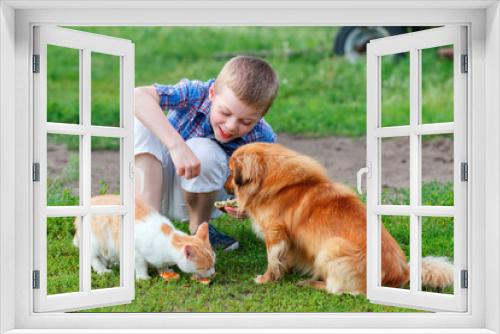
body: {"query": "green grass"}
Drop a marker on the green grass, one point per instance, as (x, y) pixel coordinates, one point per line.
(319, 95)
(233, 289)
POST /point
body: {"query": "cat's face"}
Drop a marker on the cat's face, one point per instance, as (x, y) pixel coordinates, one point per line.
(198, 256)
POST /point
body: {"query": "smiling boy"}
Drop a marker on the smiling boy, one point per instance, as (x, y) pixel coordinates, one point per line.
(185, 133)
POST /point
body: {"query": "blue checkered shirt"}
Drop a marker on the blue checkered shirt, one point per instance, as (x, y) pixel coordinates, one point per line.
(188, 110)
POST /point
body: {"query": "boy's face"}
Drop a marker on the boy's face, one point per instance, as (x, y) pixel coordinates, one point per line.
(229, 116)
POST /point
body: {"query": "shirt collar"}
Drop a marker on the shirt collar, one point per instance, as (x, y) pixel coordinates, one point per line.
(205, 107)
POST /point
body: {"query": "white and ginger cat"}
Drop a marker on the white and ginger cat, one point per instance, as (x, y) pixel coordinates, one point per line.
(157, 242)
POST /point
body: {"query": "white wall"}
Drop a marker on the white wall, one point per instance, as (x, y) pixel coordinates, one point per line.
(492, 204)
(7, 113)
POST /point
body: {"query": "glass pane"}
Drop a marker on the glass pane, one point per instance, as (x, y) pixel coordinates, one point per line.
(63, 259)
(437, 169)
(105, 165)
(437, 254)
(397, 232)
(395, 170)
(105, 90)
(106, 257)
(63, 170)
(395, 90)
(63, 85)
(437, 84)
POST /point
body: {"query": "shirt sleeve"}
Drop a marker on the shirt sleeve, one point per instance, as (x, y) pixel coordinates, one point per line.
(173, 96)
(187, 95)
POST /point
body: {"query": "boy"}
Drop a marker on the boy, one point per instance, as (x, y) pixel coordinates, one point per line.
(184, 153)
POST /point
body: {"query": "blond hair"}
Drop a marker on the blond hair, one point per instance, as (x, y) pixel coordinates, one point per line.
(251, 79)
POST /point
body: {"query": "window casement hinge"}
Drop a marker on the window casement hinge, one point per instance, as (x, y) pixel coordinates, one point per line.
(36, 279)
(36, 63)
(465, 64)
(464, 279)
(36, 172)
(464, 171)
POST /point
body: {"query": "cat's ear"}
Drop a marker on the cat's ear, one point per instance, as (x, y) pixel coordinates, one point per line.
(202, 232)
(188, 251)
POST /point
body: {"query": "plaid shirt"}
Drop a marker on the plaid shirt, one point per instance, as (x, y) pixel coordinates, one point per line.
(189, 107)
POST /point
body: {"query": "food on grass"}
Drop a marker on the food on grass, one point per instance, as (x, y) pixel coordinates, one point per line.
(230, 202)
(202, 280)
(169, 276)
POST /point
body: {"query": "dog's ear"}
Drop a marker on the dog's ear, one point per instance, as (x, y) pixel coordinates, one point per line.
(247, 169)
(228, 185)
(238, 177)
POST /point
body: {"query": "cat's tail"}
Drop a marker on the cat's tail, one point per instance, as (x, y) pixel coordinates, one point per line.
(437, 272)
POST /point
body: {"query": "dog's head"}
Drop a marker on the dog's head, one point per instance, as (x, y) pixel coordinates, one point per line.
(261, 170)
(247, 166)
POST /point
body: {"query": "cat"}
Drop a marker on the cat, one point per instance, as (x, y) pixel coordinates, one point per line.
(157, 242)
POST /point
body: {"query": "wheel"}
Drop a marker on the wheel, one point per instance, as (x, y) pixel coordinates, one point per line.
(351, 41)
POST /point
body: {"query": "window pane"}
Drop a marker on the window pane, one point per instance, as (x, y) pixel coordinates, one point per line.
(105, 165)
(63, 260)
(63, 85)
(105, 90)
(437, 84)
(63, 170)
(437, 170)
(395, 170)
(397, 228)
(107, 232)
(395, 90)
(437, 245)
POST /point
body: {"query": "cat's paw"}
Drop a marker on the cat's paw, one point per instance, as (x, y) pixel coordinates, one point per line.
(142, 277)
(103, 271)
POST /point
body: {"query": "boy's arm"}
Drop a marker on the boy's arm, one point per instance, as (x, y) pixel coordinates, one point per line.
(148, 111)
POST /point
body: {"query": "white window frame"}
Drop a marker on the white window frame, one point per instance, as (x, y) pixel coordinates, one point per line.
(84, 44)
(414, 45)
(16, 19)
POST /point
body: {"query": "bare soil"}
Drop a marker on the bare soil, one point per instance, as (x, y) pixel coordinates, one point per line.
(341, 156)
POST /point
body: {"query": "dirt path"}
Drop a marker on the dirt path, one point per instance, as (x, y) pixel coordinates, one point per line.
(341, 156)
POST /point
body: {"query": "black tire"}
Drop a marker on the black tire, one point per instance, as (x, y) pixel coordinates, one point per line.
(344, 45)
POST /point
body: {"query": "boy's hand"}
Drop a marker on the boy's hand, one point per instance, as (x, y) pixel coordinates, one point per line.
(185, 162)
(235, 212)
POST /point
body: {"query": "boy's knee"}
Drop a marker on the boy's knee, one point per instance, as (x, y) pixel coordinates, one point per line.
(209, 153)
(213, 162)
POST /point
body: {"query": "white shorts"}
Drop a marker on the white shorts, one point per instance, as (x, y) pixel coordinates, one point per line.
(213, 174)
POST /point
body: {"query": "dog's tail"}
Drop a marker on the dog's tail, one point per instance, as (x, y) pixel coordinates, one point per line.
(437, 272)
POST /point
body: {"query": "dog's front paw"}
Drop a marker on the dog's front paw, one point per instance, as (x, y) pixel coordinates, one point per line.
(261, 279)
(303, 283)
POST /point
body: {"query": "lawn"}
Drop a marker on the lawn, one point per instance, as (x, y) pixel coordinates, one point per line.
(233, 289)
(320, 95)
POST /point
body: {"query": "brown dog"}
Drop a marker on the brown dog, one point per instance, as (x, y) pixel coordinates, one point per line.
(313, 224)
